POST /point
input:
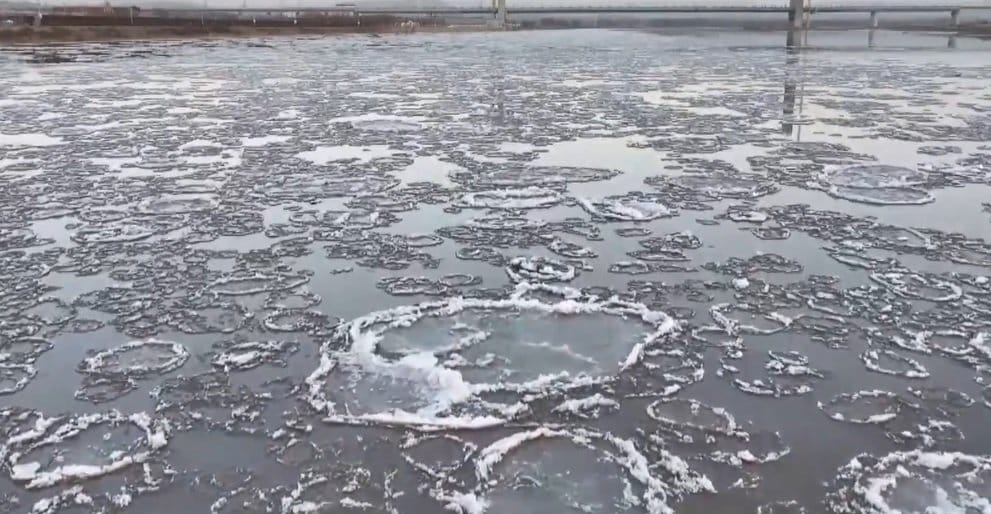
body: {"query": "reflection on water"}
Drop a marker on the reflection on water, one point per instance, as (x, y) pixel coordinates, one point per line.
(563, 271)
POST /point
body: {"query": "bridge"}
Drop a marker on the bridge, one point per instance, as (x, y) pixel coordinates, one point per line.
(798, 11)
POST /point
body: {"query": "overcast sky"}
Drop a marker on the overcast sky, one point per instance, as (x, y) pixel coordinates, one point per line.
(511, 3)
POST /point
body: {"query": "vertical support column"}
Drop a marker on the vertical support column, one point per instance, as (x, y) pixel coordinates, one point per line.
(874, 19)
(793, 46)
(796, 12)
(501, 13)
(955, 18)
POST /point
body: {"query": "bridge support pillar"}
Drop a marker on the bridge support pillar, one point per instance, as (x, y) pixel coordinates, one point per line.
(796, 13)
(874, 19)
(955, 18)
(501, 13)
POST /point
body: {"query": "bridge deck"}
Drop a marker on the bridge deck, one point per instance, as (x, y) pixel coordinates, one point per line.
(588, 9)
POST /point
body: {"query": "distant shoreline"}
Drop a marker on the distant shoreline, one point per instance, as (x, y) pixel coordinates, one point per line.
(100, 33)
(80, 34)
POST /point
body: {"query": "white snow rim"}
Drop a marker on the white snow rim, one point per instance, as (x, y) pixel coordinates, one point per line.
(657, 492)
(354, 343)
(32, 475)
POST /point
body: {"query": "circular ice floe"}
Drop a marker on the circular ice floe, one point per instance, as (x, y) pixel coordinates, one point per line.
(176, 204)
(82, 447)
(427, 364)
(526, 198)
(587, 407)
(14, 377)
(257, 283)
(540, 269)
(771, 233)
(119, 232)
(299, 320)
(23, 350)
(532, 176)
(915, 481)
(409, 286)
(240, 356)
(781, 507)
(957, 344)
(625, 208)
(217, 317)
(444, 286)
(571, 250)
(864, 407)
(209, 399)
(665, 372)
(785, 374)
(136, 359)
(437, 455)
(387, 124)
(891, 363)
(112, 373)
(878, 184)
(875, 176)
(882, 195)
(715, 186)
(51, 311)
(552, 470)
(918, 286)
(686, 413)
(737, 319)
(334, 487)
(925, 433)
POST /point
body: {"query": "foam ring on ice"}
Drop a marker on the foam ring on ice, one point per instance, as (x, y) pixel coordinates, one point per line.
(908, 285)
(353, 350)
(693, 414)
(873, 360)
(525, 198)
(164, 357)
(912, 481)
(23, 350)
(14, 377)
(256, 283)
(540, 269)
(662, 478)
(37, 475)
(241, 356)
(115, 232)
(625, 208)
(878, 184)
(880, 407)
(437, 455)
(781, 507)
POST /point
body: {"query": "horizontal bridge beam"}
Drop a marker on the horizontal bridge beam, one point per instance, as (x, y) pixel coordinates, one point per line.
(580, 10)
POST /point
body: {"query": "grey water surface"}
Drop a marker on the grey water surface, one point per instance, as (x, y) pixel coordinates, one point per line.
(521, 272)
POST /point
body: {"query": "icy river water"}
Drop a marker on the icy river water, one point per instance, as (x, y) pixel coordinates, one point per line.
(506, 273)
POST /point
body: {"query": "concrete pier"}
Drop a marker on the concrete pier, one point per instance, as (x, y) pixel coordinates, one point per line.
(874, 19)
(796, 13)
(955, 17)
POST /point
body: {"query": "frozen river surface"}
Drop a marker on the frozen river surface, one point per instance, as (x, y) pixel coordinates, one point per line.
(506, 273)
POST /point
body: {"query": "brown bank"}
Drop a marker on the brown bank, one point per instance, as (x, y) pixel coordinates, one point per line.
(68, 28)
